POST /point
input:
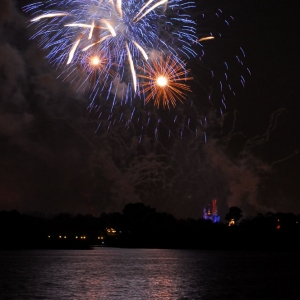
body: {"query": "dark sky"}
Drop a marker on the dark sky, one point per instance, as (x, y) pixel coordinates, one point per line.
(51, 159)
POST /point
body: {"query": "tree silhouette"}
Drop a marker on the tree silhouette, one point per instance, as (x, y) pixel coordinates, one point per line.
(235, 213)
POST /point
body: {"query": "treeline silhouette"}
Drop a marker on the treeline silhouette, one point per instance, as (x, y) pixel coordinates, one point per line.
(140, 226)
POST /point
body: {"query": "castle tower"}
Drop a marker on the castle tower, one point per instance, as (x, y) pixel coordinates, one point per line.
(214, 209)
(210, 212)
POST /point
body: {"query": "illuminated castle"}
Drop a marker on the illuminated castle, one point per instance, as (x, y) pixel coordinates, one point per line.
(211, 212)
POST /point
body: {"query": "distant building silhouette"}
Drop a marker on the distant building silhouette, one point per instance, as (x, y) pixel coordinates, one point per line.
(210, 212)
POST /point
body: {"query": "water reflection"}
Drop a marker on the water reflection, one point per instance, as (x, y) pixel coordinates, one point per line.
(111, 273)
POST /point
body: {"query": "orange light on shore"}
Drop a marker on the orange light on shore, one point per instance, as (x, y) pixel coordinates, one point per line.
(231, 222)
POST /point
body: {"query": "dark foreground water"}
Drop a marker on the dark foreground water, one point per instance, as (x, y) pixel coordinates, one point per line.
(112, 273)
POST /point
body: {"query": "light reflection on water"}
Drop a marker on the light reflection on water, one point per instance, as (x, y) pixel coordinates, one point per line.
(112, 273)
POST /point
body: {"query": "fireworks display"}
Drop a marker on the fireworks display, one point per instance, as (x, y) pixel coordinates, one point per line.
(133, 54)
(124, 33)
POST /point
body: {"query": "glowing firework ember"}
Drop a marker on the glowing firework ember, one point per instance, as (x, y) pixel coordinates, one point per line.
(95, 65)
(125, 32)
(163, 81)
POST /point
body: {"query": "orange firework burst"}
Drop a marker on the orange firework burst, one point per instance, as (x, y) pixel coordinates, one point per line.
(98, 66)
(163, 81)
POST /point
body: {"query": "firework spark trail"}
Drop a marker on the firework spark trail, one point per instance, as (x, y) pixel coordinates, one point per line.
(206, 38)
(150, 9)
(262, 139)
(101, 40)
(131, 67)
(49, 15)
(143, 8)
(141, 50)
(73, 49)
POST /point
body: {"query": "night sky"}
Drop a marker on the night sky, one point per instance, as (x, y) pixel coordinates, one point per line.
(52, 159)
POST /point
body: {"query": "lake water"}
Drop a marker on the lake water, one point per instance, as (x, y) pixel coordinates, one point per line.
(113, 273)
